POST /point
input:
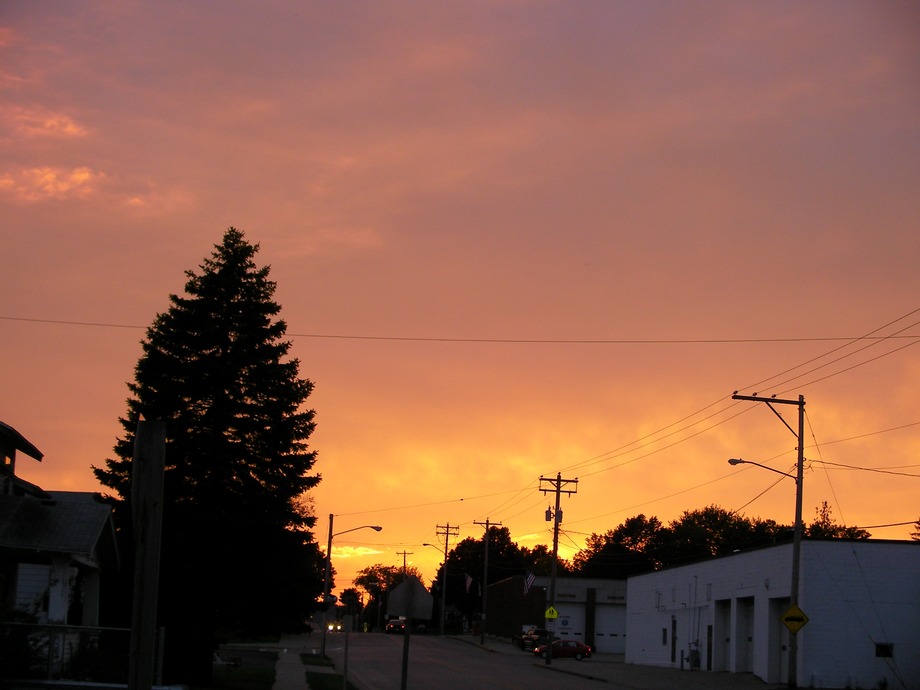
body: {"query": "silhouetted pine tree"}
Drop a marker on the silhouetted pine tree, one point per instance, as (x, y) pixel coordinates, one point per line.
(237, 555)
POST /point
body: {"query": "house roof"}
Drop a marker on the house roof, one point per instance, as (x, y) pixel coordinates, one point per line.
(71, 523)
(10, 437)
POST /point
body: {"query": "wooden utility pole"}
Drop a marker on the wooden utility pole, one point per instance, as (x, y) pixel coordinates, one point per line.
(404, 554)
(556, 517)
(147, 516)
(447, 531)
(485, 577)
(792, 680)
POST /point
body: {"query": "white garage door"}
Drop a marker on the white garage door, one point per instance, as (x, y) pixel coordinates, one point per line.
(610, 629)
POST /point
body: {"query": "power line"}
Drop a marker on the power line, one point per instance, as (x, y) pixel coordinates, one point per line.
(510, 341)
(866, 469)
(890, 524)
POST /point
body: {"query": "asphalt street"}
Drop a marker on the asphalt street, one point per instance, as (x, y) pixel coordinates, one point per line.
(375, 662)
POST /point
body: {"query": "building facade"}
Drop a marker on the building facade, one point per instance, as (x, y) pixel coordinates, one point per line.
(861, 599)
(591, 611)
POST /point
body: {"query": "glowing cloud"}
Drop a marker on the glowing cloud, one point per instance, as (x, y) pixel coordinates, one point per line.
(44, 183)
(354, 551)
(45, 123)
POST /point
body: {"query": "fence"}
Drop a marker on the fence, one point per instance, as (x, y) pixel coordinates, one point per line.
(67, 652)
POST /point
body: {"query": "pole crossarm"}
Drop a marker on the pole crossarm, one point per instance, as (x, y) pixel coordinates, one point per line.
(770, 402)
(778, 401)
(557, 483)
(404, 554)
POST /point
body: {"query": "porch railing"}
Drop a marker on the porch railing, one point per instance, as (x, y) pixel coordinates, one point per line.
(67, 652)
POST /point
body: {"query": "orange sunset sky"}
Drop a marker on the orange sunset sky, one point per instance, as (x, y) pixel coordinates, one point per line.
(510, 238)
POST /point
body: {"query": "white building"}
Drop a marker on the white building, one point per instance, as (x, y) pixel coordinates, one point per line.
(861, 598)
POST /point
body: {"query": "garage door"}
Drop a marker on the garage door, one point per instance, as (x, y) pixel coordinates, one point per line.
(610, 629)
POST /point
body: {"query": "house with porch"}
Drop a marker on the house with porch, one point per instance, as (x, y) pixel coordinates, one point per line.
(54, 545)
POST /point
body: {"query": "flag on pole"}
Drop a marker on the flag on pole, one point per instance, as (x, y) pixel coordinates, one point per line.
(529, 577)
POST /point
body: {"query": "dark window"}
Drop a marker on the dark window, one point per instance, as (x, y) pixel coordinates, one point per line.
(664, 636)
(884, 649)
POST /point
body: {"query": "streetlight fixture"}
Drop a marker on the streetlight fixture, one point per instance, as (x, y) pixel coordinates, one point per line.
(739, 461)
(326, 599)
(792, 680)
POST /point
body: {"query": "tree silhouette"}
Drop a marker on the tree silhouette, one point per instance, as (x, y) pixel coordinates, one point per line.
(643, 544)
(237, 552)
(825, 527)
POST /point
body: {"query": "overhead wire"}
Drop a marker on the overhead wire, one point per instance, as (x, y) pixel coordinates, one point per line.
(826, 474)
(648, 439)
(510, 341)
(651, 438)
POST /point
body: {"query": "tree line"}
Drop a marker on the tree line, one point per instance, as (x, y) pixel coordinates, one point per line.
(640, 544)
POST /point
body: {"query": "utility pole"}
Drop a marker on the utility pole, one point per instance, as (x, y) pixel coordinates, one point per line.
(447, 531)
(485, 577)
(556, 517)
(326, 574)
(792, 680)
(147, 481)
(404, 554)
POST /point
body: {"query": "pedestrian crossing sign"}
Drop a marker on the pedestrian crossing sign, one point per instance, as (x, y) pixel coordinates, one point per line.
(551, 613)
(794, 619)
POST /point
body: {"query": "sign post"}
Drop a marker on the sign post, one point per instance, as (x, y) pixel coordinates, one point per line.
(410, 599)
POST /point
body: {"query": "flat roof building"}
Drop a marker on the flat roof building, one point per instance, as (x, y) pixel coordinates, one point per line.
(861, 600)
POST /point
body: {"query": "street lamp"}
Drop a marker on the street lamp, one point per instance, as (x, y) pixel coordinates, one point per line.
(443, 586)
(326, 601)
(739, 461)
(792, 680)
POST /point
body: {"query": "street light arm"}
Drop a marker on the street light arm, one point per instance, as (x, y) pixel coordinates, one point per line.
(376, 528)
(739, 461)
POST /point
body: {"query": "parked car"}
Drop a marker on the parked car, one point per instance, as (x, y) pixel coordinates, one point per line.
(396, 626)
(572, 649)
(532, 638)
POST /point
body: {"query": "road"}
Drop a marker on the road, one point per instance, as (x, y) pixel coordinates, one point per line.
(448, 663)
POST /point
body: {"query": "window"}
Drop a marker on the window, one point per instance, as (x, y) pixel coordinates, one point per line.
(884, 649)
(664, 636)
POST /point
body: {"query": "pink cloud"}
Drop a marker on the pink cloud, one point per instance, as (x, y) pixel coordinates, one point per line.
(41, 122)
(44, 183)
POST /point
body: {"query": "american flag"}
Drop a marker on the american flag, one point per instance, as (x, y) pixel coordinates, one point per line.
(529, 577)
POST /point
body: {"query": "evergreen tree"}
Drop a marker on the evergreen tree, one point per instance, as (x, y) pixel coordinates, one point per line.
(237, 552)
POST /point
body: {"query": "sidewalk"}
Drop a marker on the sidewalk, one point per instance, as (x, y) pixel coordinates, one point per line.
(290, 672)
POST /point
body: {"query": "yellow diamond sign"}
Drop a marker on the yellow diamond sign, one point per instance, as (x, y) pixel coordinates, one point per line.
(551, 613)
(794, 619)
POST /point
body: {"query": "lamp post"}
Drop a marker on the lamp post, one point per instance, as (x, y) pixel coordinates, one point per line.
(792, 680)
(443, 587)
(326, 573)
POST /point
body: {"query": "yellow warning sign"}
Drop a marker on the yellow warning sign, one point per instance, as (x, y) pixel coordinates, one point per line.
(551, 613)
(794, 619)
